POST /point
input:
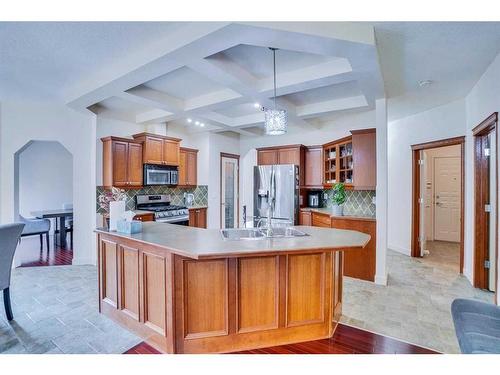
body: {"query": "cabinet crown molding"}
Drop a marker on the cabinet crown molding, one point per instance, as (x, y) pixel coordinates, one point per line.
(145, 134)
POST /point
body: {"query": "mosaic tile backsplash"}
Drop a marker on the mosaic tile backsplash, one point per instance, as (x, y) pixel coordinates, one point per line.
(358, 202)
(176, 194)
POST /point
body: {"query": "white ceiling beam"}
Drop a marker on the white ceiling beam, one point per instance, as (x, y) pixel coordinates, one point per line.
(315, 109)
(153, 117)
(214, 100)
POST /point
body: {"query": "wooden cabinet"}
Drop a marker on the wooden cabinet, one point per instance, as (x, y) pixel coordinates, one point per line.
(365, 159)
(289, 154)
(305, 218)
(198, 217)
(313, 167)
(338, 162)
(122, 163)
(188, 167)
(267, 157)
(158, 149)
(145, 217)
(359, 264)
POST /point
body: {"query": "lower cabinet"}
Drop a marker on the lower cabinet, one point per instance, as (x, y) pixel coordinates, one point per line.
(145, 217)
(305, 218)
(198, 217)
(359, 264)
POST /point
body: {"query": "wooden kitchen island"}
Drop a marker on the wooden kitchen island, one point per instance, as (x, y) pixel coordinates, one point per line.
(186, 290)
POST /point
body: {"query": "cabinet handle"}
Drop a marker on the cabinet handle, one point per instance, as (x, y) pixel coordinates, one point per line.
(197, 211)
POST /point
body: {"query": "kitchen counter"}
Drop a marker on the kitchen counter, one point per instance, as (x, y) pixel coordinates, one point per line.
(196, 207)
(197, 243)
(136, 212)
(329, 211)
(187, 290)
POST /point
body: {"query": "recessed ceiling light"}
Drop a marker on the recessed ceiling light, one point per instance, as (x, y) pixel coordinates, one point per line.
(426, 82)
(189, 120)
(256, 105)
(197, 123)
(202, 124)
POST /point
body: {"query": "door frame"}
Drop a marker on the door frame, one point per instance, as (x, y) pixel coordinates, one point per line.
(415, 226)
(481, 237)
(230, 156)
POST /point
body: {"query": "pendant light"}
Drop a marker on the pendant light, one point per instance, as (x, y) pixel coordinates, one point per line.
(275, 119)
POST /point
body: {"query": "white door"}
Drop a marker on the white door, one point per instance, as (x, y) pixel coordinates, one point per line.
(492, 213)
(447, 199)
(229, 192)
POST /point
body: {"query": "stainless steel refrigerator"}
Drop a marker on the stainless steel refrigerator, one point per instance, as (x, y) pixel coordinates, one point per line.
(282, 183)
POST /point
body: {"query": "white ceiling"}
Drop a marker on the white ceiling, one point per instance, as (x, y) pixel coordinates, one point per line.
(452, 54)
(215, 71)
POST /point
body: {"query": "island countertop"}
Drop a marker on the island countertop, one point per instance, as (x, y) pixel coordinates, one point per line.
(197, 243)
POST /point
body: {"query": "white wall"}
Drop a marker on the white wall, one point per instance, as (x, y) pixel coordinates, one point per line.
(442, 122)
(482, 101)
(22, 122)
(45, 177)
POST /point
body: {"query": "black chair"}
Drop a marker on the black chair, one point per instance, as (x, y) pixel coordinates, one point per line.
(9, 238)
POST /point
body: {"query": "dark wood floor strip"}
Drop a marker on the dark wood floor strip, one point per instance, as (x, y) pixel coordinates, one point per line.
(29, 254)
(346, 340)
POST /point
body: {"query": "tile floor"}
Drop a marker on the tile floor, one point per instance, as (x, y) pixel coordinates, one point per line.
(55, 311)
(415, 305)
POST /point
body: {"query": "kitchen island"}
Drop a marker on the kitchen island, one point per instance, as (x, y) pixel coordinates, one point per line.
(187, 290)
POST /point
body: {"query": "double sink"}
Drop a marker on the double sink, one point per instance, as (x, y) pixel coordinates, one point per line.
(236, 234)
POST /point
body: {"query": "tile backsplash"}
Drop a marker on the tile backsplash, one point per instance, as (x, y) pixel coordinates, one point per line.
(358, 202)
(176, 194)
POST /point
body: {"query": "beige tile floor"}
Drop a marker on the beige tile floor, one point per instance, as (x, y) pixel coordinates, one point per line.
(415, 305)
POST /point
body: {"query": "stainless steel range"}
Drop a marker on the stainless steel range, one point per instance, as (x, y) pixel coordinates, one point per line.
(163, 210)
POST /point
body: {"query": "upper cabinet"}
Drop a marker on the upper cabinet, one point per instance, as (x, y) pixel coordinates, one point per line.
(122, 162)
(188, 167)
(158, 149)
(338, 162)
(290, 154)
(364, 144)
(313, 167)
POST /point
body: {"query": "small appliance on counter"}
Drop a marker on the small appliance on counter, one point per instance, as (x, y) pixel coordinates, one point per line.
(315, 198)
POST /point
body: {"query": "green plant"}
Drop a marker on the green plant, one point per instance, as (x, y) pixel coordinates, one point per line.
(338, 194)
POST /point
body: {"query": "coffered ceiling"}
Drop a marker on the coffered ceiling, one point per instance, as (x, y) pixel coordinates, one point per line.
(218, 76)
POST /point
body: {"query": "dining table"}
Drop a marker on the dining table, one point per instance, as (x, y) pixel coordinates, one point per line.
(59, 214)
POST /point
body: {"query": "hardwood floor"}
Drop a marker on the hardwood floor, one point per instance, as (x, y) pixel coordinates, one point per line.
(346, 340)
(28, 253)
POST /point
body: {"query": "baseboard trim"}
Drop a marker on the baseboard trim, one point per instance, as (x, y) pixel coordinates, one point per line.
(381, 279)
(399, 249)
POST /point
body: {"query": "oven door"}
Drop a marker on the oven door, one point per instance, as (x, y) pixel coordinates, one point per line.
(156, 175)
(179, 220)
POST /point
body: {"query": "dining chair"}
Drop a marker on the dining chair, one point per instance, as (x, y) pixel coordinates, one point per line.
(68, 223)
(33, 227)
(9, 237)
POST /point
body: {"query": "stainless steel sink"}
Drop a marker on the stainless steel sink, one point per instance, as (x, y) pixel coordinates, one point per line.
(260, 233)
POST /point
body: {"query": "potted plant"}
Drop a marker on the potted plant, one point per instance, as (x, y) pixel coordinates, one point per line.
(338, 198)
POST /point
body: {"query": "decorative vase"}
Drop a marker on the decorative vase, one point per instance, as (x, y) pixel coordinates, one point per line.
(338, 210)
(116, 210)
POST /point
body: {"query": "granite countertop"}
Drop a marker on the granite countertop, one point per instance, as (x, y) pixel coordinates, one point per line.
(137, 212)
(200, 243)
(328, 211)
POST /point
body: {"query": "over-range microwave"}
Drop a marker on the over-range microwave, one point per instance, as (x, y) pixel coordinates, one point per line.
(160, 175)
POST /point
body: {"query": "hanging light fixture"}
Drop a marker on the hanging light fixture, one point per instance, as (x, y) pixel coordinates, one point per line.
(275, 119)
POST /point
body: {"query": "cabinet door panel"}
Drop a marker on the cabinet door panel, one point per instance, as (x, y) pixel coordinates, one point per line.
(109, 275)
(202, 218)
(153, 150)
(314, 167)
(135, 164)
(120, 163)
(183, 168)
(129, 281)
(205, 298)
(171, 153)
(305, 218)
(267, 157)
(289, 156)
(305, 294)
(192, 168)
(155, 292)
(364, 160)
